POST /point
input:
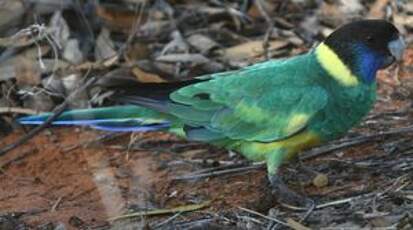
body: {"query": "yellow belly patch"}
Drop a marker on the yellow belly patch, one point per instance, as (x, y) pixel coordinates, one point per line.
(334, 66)
(291, 146)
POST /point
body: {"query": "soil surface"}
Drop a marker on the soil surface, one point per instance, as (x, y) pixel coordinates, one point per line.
(61, 175)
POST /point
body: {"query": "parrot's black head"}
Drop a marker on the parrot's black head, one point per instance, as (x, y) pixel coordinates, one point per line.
(366, 46)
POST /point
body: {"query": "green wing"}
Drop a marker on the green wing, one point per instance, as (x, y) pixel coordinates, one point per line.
(265, 102)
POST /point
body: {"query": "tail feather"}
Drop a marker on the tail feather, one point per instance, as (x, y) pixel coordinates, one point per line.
(130, 126)
(147, 110)
(117, 119)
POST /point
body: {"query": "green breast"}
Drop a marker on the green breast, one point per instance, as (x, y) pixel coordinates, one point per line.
(345, 109)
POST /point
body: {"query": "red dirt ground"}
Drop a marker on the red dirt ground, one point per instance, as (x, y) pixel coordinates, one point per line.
(51, 180)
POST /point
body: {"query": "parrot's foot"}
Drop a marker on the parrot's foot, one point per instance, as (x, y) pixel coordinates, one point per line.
(287, 196)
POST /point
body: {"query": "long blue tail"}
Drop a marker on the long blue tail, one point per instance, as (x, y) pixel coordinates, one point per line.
(115, 119)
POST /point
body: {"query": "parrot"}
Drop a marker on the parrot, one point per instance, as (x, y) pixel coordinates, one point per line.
(269, 111)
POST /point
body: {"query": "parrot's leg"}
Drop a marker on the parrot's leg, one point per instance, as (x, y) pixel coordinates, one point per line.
(279, 188)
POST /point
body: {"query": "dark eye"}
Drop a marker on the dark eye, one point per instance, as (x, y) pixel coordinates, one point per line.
(370, 39)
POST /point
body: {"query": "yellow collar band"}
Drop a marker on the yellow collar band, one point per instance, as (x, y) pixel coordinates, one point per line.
(334, 66)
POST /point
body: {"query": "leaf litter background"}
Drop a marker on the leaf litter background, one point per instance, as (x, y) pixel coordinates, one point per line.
(78, 178)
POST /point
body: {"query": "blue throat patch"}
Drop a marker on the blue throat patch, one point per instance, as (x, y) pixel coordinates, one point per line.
(368, 63)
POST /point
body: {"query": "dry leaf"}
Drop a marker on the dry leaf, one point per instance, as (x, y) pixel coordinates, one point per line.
(120, 19)
(176, 45)
(59, 29)
(11, 12)
(71, 82)
(378, 10)
(339, 12)
(39, 102)
(72, 52)
(403, 20)
(137, 51)
(143, 76)
(250, 50)
(27, 71)
(105, 48)
(189, 58)
(202, 43)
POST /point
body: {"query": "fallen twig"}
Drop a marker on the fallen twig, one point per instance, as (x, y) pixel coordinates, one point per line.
(345, 143)
(186, 208)
(265, 217)
(166, 221)
(18, 110)
(56, 204)
(25, 37)
(396, 186)
(220, 172)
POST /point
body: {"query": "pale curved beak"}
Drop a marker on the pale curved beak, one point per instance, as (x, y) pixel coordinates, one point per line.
(397, 48)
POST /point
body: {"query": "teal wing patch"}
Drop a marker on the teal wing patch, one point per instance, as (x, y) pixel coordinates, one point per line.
(265, 102)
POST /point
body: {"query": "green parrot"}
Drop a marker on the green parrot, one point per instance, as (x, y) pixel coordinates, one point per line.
(269, 111)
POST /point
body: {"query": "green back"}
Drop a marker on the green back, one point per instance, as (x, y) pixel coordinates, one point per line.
(270, 101)
(256, 103)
